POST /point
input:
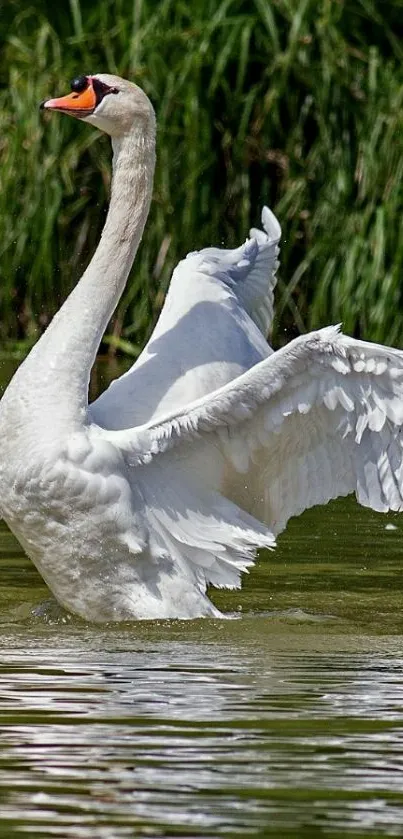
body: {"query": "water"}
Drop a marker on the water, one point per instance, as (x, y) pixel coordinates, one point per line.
(286, 721)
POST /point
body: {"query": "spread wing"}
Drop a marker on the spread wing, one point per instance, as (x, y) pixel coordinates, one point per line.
(320, 418)
(210, 329)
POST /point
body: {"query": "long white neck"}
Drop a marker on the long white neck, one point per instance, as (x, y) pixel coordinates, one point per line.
(58, 368)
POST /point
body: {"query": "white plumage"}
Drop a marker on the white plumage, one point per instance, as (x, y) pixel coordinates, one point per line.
(199, 454)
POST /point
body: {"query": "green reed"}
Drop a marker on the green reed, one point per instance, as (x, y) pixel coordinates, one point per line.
(295, 103)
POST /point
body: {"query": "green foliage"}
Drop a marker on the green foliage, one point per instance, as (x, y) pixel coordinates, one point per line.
(294, 103)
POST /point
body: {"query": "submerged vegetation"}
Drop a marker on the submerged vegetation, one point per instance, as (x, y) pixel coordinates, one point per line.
(295, 103)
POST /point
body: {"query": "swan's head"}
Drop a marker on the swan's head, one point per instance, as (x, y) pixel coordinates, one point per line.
(110, 103)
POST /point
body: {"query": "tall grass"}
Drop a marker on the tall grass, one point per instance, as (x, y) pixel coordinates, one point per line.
(295, 103)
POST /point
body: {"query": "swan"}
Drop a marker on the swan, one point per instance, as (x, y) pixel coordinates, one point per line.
(198, 456)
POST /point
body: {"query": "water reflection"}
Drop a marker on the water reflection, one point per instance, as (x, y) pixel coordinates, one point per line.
(120, 733)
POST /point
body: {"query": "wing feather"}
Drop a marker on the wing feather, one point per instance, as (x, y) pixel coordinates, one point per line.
(319, 418)
(249, 271)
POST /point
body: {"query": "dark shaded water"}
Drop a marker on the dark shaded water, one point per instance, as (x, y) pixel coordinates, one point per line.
(286, 721)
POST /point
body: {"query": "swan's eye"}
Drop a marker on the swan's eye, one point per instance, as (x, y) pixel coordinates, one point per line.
(79, 84)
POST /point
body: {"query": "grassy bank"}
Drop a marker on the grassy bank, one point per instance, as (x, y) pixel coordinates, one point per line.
(295, 103)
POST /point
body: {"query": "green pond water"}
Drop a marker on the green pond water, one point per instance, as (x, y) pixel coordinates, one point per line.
(284, 721)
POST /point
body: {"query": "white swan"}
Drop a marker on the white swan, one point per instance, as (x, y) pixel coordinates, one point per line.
(131, 506)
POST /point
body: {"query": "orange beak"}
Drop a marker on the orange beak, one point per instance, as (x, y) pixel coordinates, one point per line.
(77, 104)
